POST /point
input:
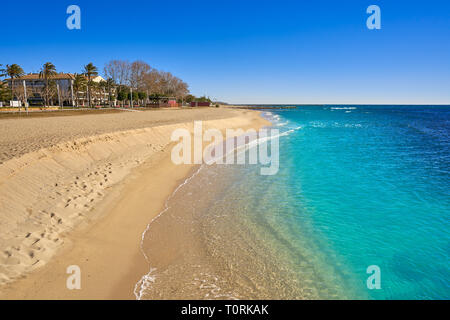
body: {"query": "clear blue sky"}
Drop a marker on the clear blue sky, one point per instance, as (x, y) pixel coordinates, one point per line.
(245, 51)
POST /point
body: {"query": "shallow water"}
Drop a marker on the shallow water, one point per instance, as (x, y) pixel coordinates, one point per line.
(357, 186)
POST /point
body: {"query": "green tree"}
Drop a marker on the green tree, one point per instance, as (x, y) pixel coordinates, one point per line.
(110, 84)
(5, 94)
(79, 84)
(47, 72)
(189, 98)
(96, 91)
(204, 99)
(122, 95)
(13, 71)
(155, 96)
(90, 71)
(135, 96)
(142, 95)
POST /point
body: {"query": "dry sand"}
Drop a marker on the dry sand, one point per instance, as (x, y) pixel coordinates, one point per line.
(81, 190)
(22, 135)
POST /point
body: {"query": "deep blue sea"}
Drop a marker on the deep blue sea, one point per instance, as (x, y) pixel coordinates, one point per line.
(357, 186)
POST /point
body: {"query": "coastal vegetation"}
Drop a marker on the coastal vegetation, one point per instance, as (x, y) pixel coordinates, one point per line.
(47, 72)
(5, 93)
(13, 71)
(89, 71)
(122, 83)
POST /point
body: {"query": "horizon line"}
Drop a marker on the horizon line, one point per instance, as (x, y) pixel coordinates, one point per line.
(339, 104)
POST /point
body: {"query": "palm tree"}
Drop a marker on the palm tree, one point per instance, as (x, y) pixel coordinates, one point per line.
(102, 89)
(47, 72)
(89, 71)
(79, 83)
(14, 71)
(2, 84)
(4, 92)
(95, 92)
(110, 84)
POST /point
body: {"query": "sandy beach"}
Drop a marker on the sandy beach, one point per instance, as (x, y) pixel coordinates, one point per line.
(81, 189)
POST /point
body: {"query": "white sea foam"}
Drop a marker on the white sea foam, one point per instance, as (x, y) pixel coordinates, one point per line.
(318, 124)
(343, 108)
(258, 141)
(144, 283)
(146, 280)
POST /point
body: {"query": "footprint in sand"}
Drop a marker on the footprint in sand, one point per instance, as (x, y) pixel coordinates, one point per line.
(12, 261)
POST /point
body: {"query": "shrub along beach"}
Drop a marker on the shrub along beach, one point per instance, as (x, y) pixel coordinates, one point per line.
(123, 84)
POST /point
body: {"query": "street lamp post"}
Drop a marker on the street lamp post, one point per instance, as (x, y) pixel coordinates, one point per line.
(71, 93)
(25, 95)
(59, 95)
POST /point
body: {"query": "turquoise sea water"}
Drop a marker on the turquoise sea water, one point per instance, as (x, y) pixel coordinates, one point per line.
(357, 186)
(370, 185)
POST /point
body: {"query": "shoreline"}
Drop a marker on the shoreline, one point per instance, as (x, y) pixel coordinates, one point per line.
(107, 249)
